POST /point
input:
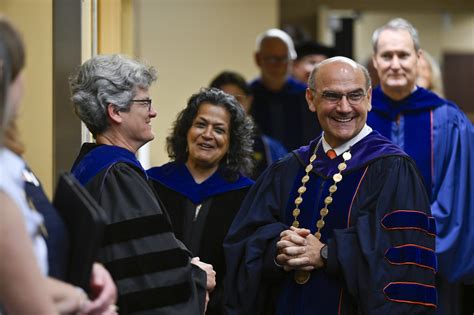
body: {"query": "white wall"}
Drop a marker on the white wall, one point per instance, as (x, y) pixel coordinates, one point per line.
(189, 42)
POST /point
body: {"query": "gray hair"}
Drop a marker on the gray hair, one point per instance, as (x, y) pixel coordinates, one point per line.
(395, 25)
(279, 34)
(104, 80)
(312, 76)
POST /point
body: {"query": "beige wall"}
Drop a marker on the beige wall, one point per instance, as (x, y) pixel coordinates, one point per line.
(34, 20)
(189, 42)
(438, 32)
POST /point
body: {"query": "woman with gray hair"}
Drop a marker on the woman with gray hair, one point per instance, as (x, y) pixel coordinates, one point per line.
(152, 269)
(203, 187)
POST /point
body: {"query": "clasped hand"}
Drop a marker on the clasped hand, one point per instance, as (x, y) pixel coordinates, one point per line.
(299, 249)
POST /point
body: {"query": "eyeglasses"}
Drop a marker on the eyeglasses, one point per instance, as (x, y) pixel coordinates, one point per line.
(146, 102)
(354, 97)
(276, 59)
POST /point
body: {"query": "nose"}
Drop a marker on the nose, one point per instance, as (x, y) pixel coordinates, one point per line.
(343, 106)
(207, 133)
(395, 63)
(152, 113)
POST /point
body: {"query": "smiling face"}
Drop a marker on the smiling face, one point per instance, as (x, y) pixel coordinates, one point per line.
(273, 60)
(341, 119)
(209, 136)
(396, 63)
(136, 123)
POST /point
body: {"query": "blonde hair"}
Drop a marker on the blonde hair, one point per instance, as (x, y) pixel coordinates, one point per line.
(436, 79)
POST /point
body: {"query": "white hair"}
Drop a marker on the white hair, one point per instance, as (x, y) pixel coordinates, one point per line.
(281, 35)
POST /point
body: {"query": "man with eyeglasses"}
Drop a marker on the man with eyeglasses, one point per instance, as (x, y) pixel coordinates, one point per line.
(341, 226)
(279, 106)
(440, 138)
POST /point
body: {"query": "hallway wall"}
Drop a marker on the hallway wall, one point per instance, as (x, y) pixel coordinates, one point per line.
(189, 42)
(33, 18)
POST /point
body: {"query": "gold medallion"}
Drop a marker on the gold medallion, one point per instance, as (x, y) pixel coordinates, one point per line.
(301, 276)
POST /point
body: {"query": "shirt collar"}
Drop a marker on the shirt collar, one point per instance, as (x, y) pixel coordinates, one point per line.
(346, 146)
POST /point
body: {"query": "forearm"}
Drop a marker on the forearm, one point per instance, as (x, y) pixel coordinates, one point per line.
(66, 298)
(22, 285)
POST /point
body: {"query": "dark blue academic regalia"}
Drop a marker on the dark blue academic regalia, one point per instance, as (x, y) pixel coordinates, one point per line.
(379, 231)
(284, 114)
(150, 266)
(218, 198)
(266, 151)
(440, 138)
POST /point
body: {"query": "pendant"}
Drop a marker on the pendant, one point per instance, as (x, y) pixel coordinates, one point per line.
(301, 276)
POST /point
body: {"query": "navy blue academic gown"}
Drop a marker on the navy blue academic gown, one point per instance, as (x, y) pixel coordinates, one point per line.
(379, 231)
(440, 138)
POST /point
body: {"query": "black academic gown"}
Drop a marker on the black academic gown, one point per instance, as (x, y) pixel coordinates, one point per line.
(379, 231)
(219, 201)
(150, 266)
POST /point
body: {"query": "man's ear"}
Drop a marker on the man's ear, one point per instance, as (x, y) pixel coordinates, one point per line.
(419, 54)
(369, 99)
(374, 62)
(310, 99)
(114, 113)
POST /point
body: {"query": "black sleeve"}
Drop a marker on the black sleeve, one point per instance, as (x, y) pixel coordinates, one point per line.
(150, 266)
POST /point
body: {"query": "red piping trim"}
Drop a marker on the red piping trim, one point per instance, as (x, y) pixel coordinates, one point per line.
(355, 194)
(340, 302)
(409, 302)
(406, 227)
(410, 263)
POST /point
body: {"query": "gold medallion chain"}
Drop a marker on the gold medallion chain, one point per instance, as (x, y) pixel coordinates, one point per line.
(301, 276)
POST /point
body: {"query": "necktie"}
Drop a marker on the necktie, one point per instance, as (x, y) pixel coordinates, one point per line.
(331, 154)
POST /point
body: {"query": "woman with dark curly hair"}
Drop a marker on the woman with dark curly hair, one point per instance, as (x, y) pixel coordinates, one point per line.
(204, 185)
(266, 150)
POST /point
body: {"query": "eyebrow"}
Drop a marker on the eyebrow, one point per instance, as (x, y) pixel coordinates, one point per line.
(339, 92)
(207, 121)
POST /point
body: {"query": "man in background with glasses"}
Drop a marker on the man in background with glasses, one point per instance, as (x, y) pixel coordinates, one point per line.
(279, 106)
(440, 138)
(341, 226)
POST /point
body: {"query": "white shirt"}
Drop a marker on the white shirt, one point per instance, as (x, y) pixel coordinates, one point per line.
(346, 146)
(12, 183)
